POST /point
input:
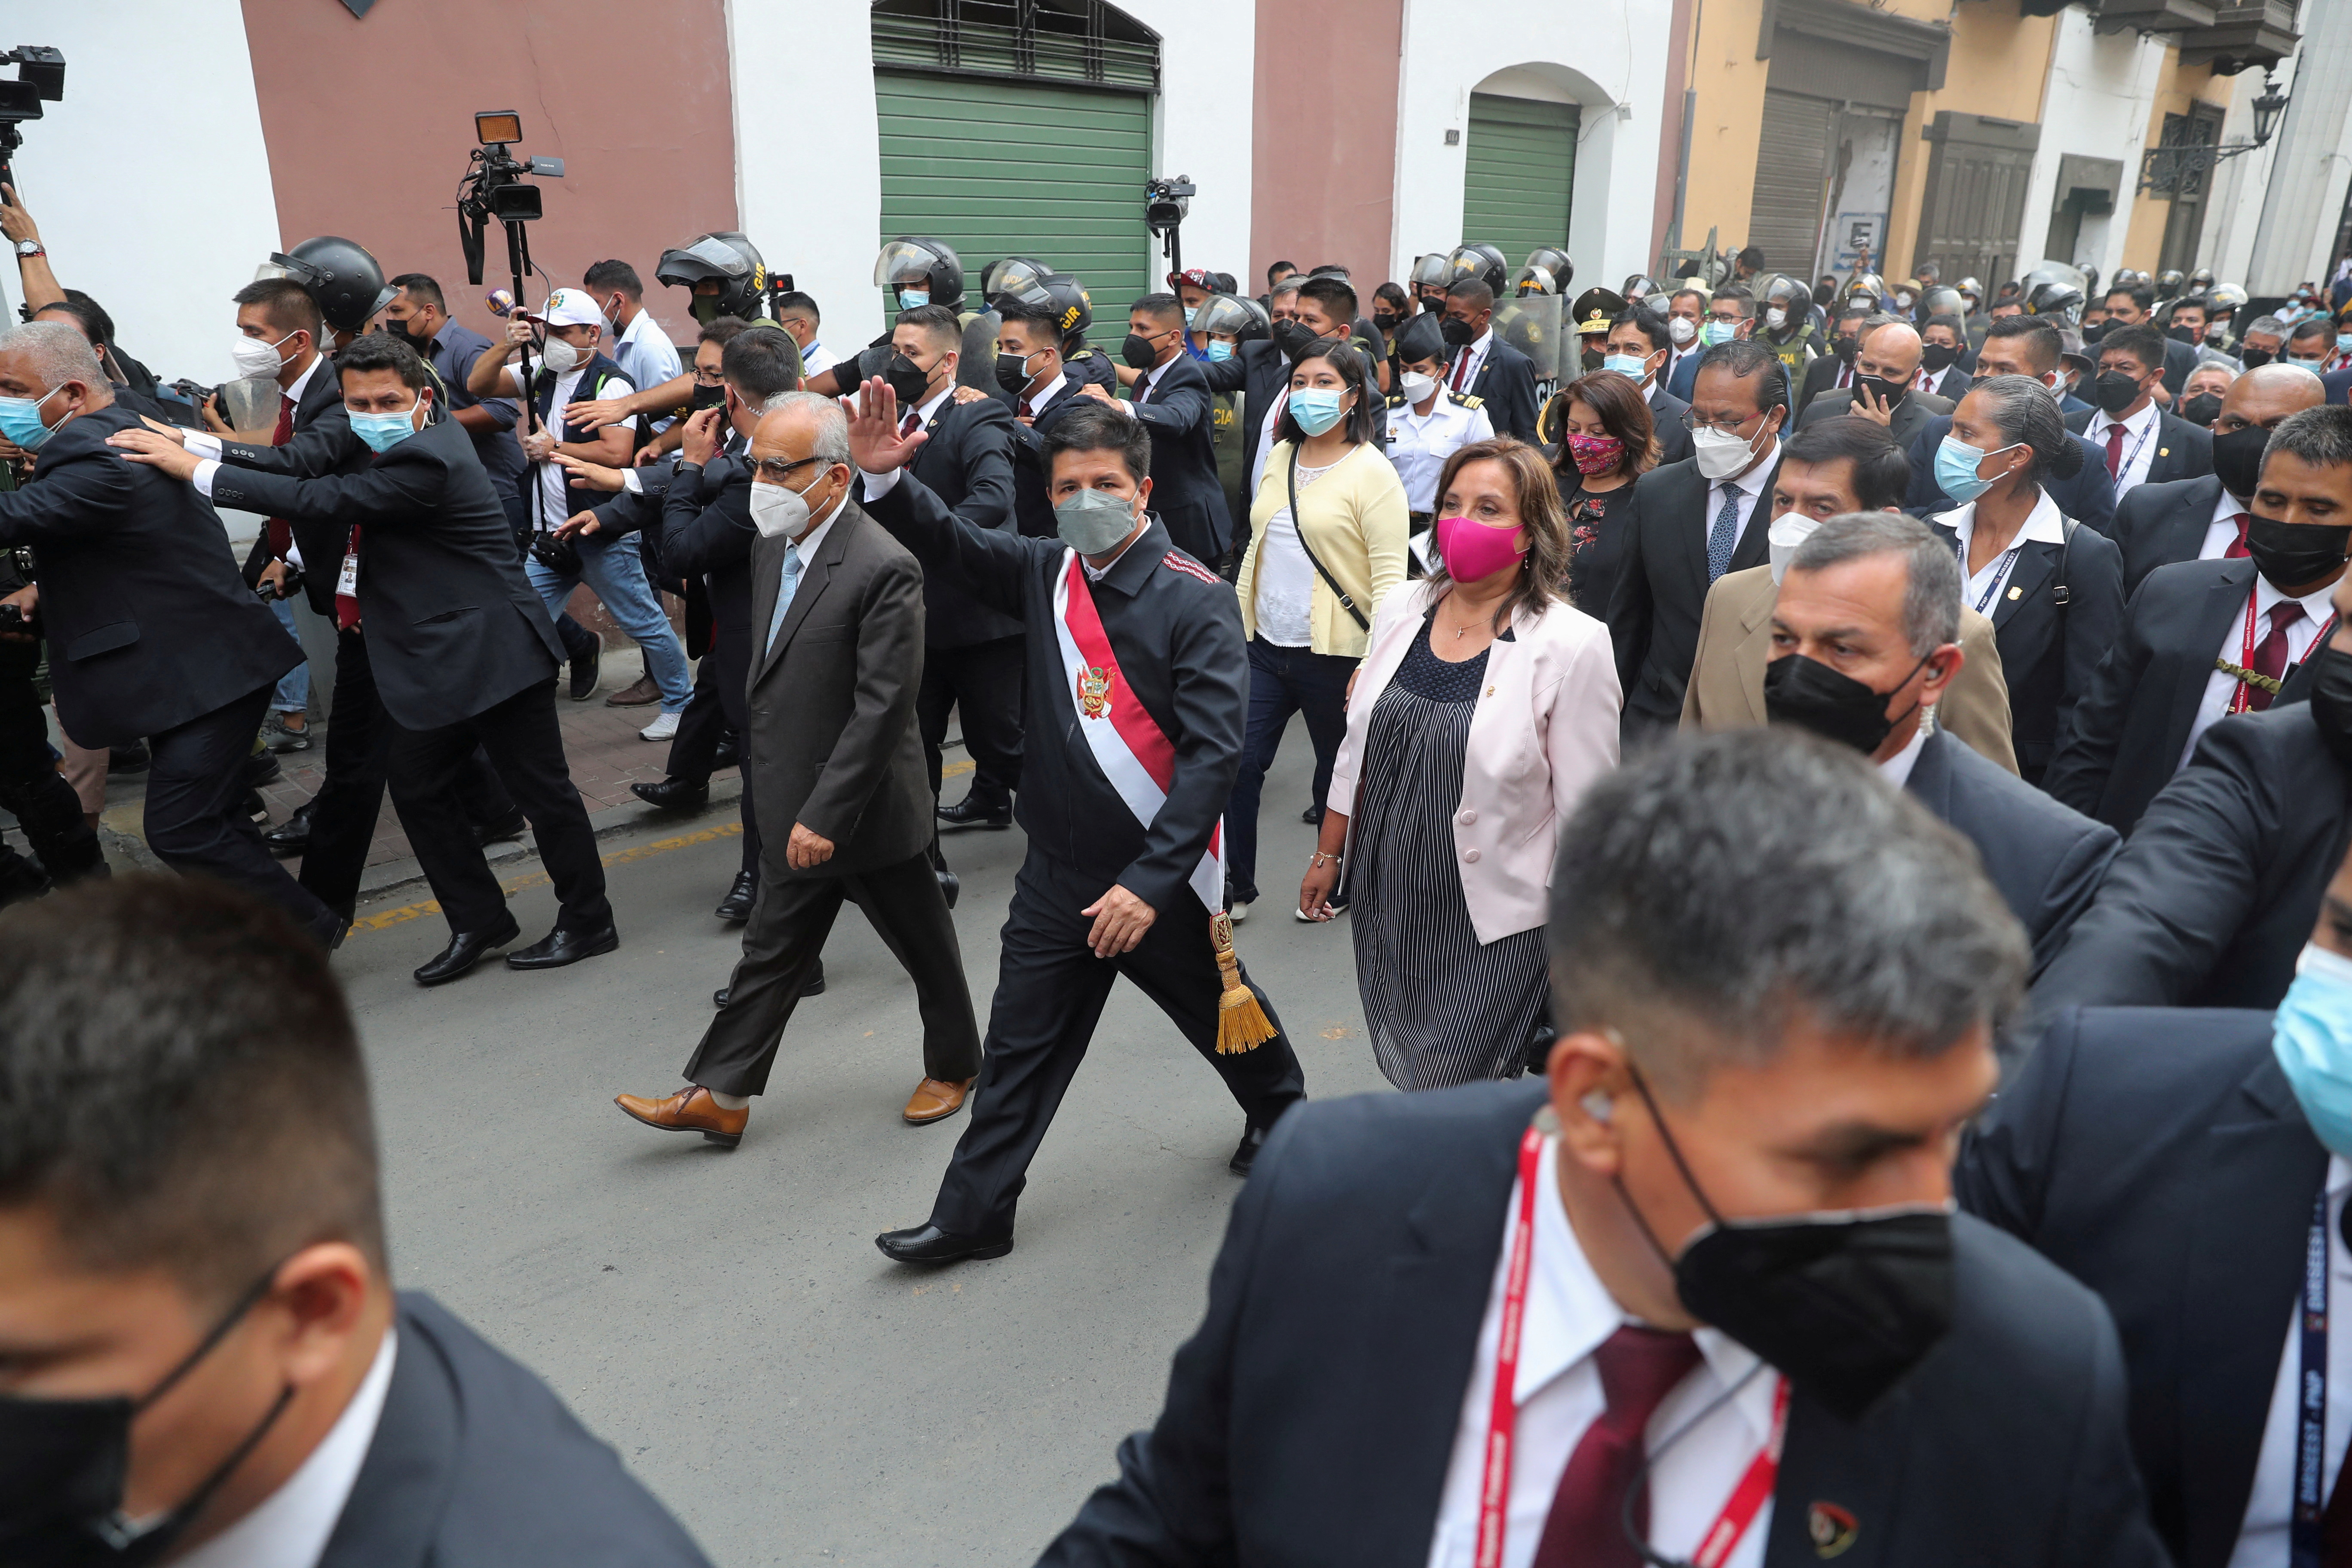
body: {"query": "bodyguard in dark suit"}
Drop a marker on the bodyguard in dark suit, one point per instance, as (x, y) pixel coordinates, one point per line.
(838, 611)
(1336, 1405)
(1172, 398)
(2046, 859)
(1690, 522)
(2160, 1156)
(2206, 518)
(1043, 392)
(460, 650)
(1913, 415)
(1834, 368)
(151, 631)
(1484, 365)
(2165, 524)
(2139, 442)
(1886, 371)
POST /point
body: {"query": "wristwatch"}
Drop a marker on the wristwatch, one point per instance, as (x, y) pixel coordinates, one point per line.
(28, 248)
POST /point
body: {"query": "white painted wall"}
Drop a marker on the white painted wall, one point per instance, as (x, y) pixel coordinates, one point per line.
(809, 164)
(2095, 103)
(2312, 160)
(2233, 212)
(1453, 47)
(150, 181)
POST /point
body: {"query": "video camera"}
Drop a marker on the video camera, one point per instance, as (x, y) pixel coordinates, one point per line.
(1165, 203)
(40, 78)
(494, 188)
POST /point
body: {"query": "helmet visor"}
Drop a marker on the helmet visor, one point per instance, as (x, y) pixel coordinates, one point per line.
(1223, 313)
(903, 261)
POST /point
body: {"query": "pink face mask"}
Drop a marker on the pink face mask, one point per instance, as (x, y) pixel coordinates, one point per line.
(1472, 549)
(1595, 454)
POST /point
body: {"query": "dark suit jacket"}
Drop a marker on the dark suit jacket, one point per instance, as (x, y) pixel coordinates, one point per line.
(150, 624)
(476, 1460)
(2183, 451)
(1654, 610)
(452, 624)
(1953, 384)
(2216, 888)
(2337, 384)
(833, 743)
(1033, 498)
(1911, 415)
(967, 463)
(322, 444)
(1186, 491)
(2179, 359)
(2132, 725)
(1310, 1419)
(2047, 650)
(1666, 412)
(2159, 524)
(1685, 375)
(1259, 372)
(1506, 380)
(1821, 375)
(2046, 859)
(2089, 497)
(2158, 1156)
(707, 537)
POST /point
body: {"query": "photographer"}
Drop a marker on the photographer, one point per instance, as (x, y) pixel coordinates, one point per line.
(151, 630)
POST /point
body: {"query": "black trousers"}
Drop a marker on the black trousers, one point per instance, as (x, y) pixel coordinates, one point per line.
(196, 812)
(1050, 991)
(781, 949)
(43, 804)
(718, 705)
(351, 797)
(526, 750)
(983, 682)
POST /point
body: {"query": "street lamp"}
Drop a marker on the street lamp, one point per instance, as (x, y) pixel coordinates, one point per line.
(2163, 169)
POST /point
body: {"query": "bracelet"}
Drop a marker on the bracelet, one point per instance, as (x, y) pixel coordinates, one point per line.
(1321, 857)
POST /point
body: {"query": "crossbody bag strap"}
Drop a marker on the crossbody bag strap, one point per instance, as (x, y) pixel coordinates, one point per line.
(1345, 602)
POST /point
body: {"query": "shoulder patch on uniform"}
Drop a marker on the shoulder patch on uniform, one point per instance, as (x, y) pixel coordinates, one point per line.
(1177, 561)
(1396, 400)
(1468, 399)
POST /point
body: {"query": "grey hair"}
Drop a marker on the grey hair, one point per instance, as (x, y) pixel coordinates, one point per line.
(58, 352)
(2321, 436)
(2026, 415)
(832, 443)
(1722, 888)
(2269, 324)
(1931, 593)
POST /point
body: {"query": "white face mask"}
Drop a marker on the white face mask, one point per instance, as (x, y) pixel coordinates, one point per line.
(255, 358)
(1782, 539)
(560, 357)
(1776, 318)
(1416, 386)
(779, 510)
(1719, 453)
(1682, 328)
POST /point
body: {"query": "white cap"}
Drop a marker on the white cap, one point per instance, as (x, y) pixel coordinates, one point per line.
(569, 307)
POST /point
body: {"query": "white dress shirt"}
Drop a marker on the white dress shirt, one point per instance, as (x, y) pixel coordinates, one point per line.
(1896, 769)
(2045, 524)
(1419, 444)
(290, 1527)
(1744, 493)
(929, 408)
(1462, 373)
(1569, 1313)
(806, 545)
(2141, 437)
(2262, 1539)
(1676, 356)
(2301, 633)
(1043, 395)
(1148, 380)
(2222, 531)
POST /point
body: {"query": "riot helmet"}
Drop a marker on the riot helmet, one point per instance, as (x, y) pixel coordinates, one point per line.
(725, 259)
(2167, 283)
(910, 265)
(1483, 262)
(2201, 280)
(1973, 291)
(342, 278)
(1942, 302)
(1231, 316)
(1554, 260)
(1867, 288)
(1533, 280)
(2056, 299)
(1023, 276)
(2223, 300)
(1073, 307)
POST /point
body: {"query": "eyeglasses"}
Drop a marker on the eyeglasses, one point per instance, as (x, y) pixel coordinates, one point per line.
(775, 469)
(1694, 422)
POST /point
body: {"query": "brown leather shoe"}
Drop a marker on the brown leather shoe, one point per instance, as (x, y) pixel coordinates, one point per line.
(690, 1110)
(936, 1100)
(636, 695)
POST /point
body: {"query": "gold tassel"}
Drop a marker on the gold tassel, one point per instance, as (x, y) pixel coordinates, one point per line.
(1242, 1023)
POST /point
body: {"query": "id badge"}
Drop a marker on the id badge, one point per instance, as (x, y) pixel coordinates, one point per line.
(347, 584)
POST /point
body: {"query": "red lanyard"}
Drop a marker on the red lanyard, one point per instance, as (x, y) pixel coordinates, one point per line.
(1715, 1548)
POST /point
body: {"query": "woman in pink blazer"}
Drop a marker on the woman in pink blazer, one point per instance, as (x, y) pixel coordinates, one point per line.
(1484, 707)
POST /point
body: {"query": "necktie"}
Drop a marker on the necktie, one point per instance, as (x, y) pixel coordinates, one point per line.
(1724, 535)
(785, 585)
(1639, 1367)
(347, 605)
(2236, 550)
(1460, 369)
(1142, 391)
(281, 533)
(2114, 451)
(1027, 412)
(2270, 658)
(907, 425)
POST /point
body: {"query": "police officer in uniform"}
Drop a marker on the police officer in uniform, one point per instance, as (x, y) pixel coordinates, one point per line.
(1112, 615)
(1427, 423)
(1784, 323)
(1594, 311)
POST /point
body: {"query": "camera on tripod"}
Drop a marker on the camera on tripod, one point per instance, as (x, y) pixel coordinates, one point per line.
(495, 188)
(40, 78)
(1166, 201)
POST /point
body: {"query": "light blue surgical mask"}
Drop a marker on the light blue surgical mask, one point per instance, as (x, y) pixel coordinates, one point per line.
(2311, 1035)
(913, 299)
(2344, 341)
(382, 432)
(1956, 469)
(1714, 332)
(1317, 408)
(20, 420)
(1220, 351)
(1627, 364)
(1191, 311)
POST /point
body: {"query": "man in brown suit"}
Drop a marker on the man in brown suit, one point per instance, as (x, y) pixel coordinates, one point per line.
(832, 749)
(1830, 467)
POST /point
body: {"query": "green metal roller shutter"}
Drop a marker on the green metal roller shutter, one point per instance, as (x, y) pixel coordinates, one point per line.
(1001, 168)
(1520, 175)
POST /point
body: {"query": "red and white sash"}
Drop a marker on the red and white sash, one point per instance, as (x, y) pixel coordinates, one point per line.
(1138, 759)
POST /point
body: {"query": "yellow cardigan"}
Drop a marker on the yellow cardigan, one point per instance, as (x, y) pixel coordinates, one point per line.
(1355, 520)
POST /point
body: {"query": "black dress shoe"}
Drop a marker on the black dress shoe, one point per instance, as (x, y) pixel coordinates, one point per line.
(728, 754)
(737, 905)
(583, 673)
(1312, 817)
(813, 986)
(948, 885)
(467, 949)
(967, 813)
(675, 795)
(512, 827)
(263, 768)
(292, 836)
(927, 1242)
(560, 947)
(1245, 1154)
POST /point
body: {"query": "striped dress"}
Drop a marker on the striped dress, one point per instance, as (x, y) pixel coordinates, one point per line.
(1443, 1007)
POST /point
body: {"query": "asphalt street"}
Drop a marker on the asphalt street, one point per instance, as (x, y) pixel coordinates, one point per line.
(724, 1318)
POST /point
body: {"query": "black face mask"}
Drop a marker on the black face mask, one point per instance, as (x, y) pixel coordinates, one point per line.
(423, 345)
(2331, 700)
(64, 1464)
(2202, 409)
(1843, 1304)
(2114, 391)
(709, 396)
(1457, 334)
(2238, 460)
(2254, 358)
(1384, 321)
(1808, 694)
(1847, 347)
(1938, 358)
(908, 381)
(1892, 392)
(2289, 555)
(2093, 330)
(2184, 334)
(1139, 351)
(1292, 338)
(1012, 372)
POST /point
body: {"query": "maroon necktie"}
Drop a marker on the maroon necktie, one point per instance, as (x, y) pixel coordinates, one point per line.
(1460, 369)
(907, 425)
(1029, 413)
(2238, 551)
(1639, 1367)
(2270, 658)
(2114, 451)
(281, 533)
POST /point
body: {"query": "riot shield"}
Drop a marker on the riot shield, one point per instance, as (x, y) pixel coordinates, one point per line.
(1531, 324)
